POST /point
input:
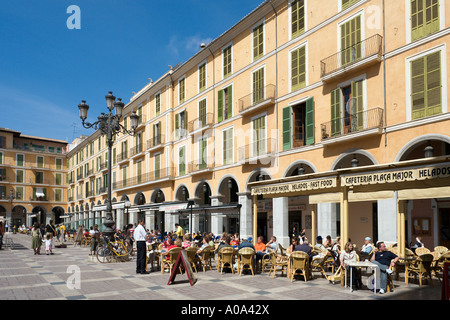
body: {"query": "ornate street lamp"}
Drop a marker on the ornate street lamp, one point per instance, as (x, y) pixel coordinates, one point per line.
(109, 125)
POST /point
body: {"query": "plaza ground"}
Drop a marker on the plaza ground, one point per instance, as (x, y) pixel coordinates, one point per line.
(25, 276)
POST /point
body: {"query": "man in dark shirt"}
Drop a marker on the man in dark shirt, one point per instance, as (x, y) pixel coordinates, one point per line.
(246, 244)
(384, 259)
(305, 247)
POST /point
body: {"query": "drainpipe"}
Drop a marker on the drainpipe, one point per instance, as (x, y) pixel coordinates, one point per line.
(276, 70)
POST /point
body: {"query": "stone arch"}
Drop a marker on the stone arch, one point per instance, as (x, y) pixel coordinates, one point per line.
(344, 160)
(182, 193)
(421, 141)
(257, 174)
(139, 199)
(293, 168)
(203, 192)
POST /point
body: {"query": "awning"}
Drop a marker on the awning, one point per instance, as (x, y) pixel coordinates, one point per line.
(428, 193)
(40, 193)
(173, 207)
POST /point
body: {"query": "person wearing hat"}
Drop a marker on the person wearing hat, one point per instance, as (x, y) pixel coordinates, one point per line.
(319, 245)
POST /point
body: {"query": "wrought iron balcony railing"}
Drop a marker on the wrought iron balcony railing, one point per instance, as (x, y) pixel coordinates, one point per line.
(201, 165)
(351, 123)
(349, 56)
(201, 122)
(259, 98)
(148, 177)
(155, 141)
(258, 150)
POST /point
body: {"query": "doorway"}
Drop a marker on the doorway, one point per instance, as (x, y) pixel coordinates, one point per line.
(262, 225)
(444, 226)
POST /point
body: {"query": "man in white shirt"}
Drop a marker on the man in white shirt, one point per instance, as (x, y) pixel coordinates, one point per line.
(140, 236)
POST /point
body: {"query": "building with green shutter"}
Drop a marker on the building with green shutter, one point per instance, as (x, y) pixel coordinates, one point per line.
(296, 87)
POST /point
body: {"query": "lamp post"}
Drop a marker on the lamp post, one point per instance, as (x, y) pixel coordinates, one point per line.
(109, 125)
(11, 198)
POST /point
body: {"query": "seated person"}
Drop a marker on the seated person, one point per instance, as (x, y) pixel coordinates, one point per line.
(226, 243)
(176, 244)
(328, 243)
(319, 246)
(366, 249)
(349, 254)
(260, 248)
(305, 247)
(384, 259)
(246, 244)
(204, 245)
(272, 244)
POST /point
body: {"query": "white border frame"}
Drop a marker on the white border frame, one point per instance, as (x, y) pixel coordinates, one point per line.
(232, 55)
(303, 44)
(408, 19)
(263, 23)
(204, 62)
(305, 15)
(232, 149)
(264, 114)
(263, 66)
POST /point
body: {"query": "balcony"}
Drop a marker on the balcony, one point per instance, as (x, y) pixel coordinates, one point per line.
(256, 100)
(201, 166)
(201, 123)
(359, 124)
(122, 157)
(260, 152)
(145, 178)
(155, 143)
(360, 55)
(136, 150)
(37, 149)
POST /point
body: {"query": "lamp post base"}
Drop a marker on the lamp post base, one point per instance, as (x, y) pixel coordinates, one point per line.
(108, 222)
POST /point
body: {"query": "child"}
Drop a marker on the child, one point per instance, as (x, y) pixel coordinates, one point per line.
(48, 244)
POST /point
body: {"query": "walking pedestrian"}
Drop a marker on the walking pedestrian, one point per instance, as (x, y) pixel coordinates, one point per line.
(2, 232)
(95, 235)
(48, 244)
(140, 236)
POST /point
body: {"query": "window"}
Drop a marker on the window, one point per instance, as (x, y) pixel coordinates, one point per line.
(125, 123)
(139, 113)
(426, 86)
(1, 157)
(347, 3)
(20, 193)
(157, 104)
(59, 164)
(351, 41)
(347, 109)
(20, 176)
(258, 86)
(182, 90)
(227, 63)
(302, 125)
(3, 192)
(2, 174)
(20, 160)
(182, 161)
(124, 150)
(258, 42)
(202, 113)
(424, 18)
(157, 166)
(99, 143)
(225, 104)
(139, 172)
(39, 177)
(2, 142)
(157, 134)
(180, 124)
(58, 195)
(259, 136)
(298, 68)
(227, 138)
(202, 77)
(297, 17)
(203, 153)
(39, 194)
(58, 179)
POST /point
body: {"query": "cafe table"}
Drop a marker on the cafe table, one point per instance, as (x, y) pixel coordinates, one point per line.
(361, 264)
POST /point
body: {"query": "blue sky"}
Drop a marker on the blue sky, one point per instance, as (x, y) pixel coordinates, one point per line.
(47, 69)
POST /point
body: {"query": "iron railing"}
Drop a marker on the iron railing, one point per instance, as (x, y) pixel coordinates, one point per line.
(265, 94)
(351, 55)
(350, 123)
(258, 149)
(155, 141)
(201, 165)
(201, 122)
(144, 178)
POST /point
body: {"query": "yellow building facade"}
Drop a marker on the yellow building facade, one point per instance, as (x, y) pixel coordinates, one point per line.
(296, 87)
(32, 179)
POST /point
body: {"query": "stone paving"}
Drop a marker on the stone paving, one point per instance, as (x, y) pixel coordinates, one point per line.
(25, 276)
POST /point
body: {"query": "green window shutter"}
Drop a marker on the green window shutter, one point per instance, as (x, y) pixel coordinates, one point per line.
(348, 3)
(158, 104)
(202, 112)
(426, 86)
(227, 62)
(286, 128)
(298, 68)
(181, 162)
(297, 17)
(220, 106)
(336, 112)
(310, 132)
(181, 90)
(202, 77)
(258, 42)
(351, 41)
(258, 86)
(357, 112)
(424, 18)
(230, 102)
(157, 166)
(177, 125)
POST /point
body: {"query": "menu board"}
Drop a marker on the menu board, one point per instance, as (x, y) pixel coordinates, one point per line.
(182, 258)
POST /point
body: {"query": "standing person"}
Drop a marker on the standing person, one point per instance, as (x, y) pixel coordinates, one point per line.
(48, 244)
(6, 226)
(50, 229)
(2, 232)
(95, 235)
(384, 259)
(62, 230)
(179, 232)
(140, 236)
(36, 238)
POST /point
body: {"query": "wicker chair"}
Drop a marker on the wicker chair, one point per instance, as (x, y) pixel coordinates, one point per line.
(225, 257)
(205, 257)
(280, 250)
(422, 250)
(246, 260)
(275, 261)
(400, 265)
(318, 264)
(299, 263)
(173, 255)
(419, 268)
(440, 249)
(192, 256)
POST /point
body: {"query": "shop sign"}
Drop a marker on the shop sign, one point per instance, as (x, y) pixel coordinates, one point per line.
(296, 186)
(406, 175)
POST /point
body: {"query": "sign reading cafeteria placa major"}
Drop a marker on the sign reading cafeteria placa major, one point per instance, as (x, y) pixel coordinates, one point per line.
(296, 186)
(427, 173)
